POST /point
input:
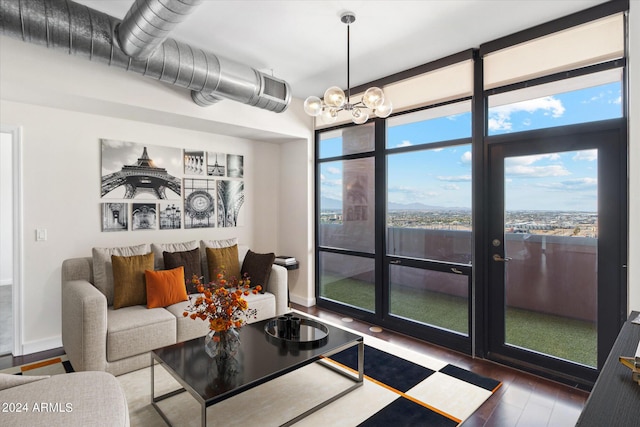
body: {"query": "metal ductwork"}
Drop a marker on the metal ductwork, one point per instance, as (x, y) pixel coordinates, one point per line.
(147, 24)
(81, 31)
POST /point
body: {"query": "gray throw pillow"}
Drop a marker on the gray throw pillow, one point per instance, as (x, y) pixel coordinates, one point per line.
(159, 248)
(103, 270)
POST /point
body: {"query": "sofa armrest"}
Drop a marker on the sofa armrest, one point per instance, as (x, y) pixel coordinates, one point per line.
(84, 325)
(279, 286)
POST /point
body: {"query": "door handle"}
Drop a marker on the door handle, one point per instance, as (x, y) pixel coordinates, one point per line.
(497, 257)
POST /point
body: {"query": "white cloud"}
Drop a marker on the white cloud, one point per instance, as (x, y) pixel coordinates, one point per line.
(572, 185)
(588, 155)
(405, 143)
(500, 117)
(536, 171)
(529, 160)
(459, 178)
(451, 187)
(333, 170)
(466, 157)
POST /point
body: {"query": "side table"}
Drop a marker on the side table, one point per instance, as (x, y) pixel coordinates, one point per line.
(289, 267)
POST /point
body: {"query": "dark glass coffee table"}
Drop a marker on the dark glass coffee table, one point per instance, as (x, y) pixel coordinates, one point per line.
(260, 359)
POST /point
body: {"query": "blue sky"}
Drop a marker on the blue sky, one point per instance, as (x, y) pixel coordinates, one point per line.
(442, 176)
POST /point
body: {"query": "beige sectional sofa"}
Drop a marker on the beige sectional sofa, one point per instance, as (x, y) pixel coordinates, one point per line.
(98, 338)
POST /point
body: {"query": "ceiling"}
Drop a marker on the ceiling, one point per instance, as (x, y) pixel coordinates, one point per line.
(304, 42)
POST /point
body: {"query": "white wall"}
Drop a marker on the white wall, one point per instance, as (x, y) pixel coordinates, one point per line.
(634, 155)
(65, 105)
(6, 209)
(62, 194)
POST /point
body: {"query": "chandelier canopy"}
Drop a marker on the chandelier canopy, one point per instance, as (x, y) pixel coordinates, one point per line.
(335, 100)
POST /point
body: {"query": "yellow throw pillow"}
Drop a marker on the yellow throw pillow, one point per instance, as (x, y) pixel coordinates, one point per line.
(224, 257)
(165, 287)
(128, 279)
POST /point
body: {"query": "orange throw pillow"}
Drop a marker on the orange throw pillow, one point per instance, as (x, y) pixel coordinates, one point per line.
(165, 287)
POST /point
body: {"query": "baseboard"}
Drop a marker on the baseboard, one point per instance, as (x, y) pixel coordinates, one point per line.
(41, 345)
(305, 302)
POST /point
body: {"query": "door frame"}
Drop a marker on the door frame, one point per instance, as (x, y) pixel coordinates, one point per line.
(610, 298)
(18, 244)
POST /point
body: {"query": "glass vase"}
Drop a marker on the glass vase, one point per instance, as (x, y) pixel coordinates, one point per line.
(222, 345)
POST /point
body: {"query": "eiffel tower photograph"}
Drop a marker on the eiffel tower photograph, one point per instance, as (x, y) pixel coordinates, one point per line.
(131, 170)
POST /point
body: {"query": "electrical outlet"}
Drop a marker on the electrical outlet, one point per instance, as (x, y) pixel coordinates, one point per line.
(41, 234)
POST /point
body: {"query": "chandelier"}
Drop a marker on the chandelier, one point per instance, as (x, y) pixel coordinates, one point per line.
(335, 100)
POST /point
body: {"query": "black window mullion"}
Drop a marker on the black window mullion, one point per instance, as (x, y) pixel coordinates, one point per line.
(382, 274)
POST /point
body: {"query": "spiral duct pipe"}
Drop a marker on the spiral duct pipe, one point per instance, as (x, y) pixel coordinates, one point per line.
(81, 31)
(147, 24)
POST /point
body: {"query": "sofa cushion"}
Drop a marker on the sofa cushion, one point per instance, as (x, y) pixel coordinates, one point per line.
(224, 260)
(258, 268)
(190, 260)
(165, 287)
(204, 244)
(128, 279)
(102, 270)
(264, 304)
(136, 330)
(159, 248)
(186, 327)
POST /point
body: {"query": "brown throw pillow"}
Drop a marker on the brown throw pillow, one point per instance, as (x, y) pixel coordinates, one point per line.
(190, 260)
(165, 287)
(226, 258)
(129, 287)
(258, 267)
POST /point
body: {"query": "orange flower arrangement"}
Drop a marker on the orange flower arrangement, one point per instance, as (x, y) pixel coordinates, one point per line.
(221, 303)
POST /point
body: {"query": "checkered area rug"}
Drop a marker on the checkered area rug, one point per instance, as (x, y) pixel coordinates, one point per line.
(52, 366)
(402, 388)
(438, 398)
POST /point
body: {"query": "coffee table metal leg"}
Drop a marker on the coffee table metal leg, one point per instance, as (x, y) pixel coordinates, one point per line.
(155, 400)
(359, 380)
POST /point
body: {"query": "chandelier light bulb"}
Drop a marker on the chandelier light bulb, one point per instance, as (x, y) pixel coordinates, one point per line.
(373, 97)
(358, 116)
(313, 106)
(384, 109)
(330, 115)
(334, 97)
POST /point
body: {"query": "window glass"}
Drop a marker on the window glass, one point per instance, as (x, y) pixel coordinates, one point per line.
(431, 125)
(348, 279)
(351, 140)
(429, 204)
(430, 297)
(589, 98)
(347, 204)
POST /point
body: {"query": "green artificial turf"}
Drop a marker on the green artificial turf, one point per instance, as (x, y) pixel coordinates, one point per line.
(569, 339)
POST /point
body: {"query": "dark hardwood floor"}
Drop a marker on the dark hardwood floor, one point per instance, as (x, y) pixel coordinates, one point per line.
(523, 400)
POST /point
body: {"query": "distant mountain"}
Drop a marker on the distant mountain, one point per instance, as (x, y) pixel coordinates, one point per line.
(327, 203)
(333, 204)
